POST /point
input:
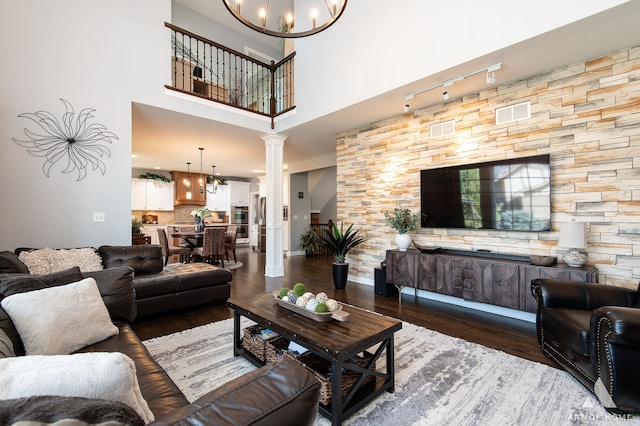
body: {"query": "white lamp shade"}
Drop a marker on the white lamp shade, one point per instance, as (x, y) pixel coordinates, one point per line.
(573, 235)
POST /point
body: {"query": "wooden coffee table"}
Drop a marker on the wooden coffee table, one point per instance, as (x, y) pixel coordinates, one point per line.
(334, 341)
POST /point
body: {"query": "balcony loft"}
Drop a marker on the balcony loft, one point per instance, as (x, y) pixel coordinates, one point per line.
(208, 70)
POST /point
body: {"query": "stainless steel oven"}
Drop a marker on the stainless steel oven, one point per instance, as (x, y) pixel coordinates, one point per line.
(243, 231)
(240, 217)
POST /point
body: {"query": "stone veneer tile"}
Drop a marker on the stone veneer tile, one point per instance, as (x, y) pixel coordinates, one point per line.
(584, 115)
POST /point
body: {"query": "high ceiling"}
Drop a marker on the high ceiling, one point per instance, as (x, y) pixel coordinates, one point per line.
(167, 140)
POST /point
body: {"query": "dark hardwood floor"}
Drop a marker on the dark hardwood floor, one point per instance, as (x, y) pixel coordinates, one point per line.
(513, 336)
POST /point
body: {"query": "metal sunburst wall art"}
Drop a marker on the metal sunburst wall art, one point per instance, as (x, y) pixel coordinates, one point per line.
(74, 139)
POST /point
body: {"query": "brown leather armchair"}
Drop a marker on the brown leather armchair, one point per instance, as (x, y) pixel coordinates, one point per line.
(593, 331)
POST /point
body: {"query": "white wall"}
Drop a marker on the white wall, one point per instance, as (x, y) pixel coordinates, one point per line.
(101, 54)
(198, 24)
(322, 191)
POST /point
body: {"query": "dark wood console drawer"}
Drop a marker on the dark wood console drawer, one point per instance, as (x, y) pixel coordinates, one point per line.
(500, 282)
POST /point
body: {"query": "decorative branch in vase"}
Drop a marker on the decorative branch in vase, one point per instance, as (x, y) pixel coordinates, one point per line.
(200, 214)
(403, 221)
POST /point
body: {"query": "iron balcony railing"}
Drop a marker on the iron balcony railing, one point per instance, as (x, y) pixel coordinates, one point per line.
(204, 68)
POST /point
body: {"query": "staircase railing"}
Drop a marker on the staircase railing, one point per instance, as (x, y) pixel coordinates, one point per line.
(209, 70)
(321, 228)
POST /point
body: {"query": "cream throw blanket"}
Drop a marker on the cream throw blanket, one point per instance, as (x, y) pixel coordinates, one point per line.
(102, 375)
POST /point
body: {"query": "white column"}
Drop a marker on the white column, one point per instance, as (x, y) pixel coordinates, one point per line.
(274, 263)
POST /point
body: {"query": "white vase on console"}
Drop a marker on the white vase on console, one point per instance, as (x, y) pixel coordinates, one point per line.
(403, 241)
(403, 221)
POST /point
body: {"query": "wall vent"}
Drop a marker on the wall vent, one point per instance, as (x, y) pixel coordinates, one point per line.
(446, 128)
(513, 113)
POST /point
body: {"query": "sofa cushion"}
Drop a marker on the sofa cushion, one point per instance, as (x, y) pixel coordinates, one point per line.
(6, 346)
(144, 259)
(569, 326)
(19, 283)
(178, 277)
(105, 375)
(160, 392)
(11, 264)
(69, 411)
(47, 260)
(116, 289)
(61, 319)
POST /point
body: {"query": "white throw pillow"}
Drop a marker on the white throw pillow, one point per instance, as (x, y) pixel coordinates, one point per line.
(47, 260)
(102, 375)
(60, 320)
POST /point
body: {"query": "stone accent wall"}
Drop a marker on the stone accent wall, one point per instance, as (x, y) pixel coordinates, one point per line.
(585, 115)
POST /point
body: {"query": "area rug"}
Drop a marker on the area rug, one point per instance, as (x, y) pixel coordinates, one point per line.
(439, 380)
(232, 265)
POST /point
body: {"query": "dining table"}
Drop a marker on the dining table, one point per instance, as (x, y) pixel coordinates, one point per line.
(191, 239)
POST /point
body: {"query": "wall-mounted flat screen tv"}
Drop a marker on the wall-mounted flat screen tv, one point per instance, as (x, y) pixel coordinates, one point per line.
(509, 195)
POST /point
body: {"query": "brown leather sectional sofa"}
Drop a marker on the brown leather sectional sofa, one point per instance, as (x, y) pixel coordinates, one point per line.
(285, 394)
(158, 288)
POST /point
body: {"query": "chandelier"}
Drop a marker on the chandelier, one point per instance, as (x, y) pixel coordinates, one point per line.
(276, 17)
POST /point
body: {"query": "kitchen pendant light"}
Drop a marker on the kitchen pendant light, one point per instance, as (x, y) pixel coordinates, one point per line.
(214, 186)
(187, 182)
(203, 182)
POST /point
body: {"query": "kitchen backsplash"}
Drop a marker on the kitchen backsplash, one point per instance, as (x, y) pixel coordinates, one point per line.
(181, 214)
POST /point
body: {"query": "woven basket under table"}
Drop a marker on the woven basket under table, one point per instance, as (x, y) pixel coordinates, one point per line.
(254, 342)
(276, 350)
(321, 369)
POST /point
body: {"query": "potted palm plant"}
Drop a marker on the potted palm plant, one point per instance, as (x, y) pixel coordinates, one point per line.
(340, 243)
(403, 221)
(310, 241)
(136, 224)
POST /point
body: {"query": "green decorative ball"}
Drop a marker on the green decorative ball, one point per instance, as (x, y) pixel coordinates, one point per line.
(321, 308)
(283, 292)
(299, 289)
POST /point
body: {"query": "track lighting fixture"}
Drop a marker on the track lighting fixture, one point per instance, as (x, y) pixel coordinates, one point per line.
(491, 79)
(445, 92)
(407, 104)
(491, 75)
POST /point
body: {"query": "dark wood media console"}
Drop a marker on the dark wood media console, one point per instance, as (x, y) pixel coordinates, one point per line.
(501, 280)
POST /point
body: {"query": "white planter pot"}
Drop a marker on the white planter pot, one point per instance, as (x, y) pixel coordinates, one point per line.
(403, 241)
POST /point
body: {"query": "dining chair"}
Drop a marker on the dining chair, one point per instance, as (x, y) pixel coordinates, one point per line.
(230, 241)
(168, 250)
(212, 249)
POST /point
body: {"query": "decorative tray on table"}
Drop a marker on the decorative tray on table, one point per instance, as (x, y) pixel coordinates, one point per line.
(338, 314)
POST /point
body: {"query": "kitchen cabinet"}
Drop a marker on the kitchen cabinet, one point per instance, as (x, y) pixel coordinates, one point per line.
(188, 181)
(220, 200)
(151, 195)
(138, 194)
(239, 193)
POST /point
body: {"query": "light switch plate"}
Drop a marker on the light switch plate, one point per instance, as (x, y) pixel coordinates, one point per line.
(99, 217)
